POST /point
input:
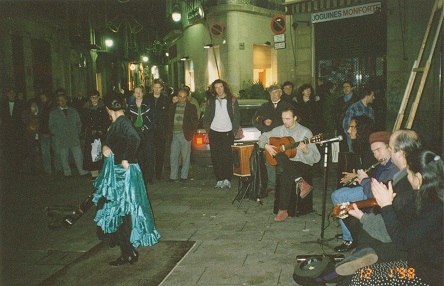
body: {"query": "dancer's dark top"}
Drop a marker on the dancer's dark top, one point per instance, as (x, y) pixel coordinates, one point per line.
(123, 140)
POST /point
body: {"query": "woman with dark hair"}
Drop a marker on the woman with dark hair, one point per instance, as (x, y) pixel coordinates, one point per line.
(95, 121)
(359, 129)
(422, 237)
(124, 215)
(308, 108)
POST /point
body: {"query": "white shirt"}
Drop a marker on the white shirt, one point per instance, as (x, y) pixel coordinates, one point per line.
(221, 121)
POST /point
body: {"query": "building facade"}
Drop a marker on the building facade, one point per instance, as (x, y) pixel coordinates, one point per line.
(367, 42)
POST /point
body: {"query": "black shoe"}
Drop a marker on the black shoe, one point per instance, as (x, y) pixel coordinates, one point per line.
(119, 261)
(183, 180)
(133, 258)
(302, 213)
(346, 246)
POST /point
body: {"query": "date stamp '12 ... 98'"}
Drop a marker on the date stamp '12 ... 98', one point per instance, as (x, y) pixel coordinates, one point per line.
(391, 272)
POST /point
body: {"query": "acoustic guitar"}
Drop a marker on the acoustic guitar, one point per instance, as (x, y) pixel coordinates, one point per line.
(288, 146)
(341, 210)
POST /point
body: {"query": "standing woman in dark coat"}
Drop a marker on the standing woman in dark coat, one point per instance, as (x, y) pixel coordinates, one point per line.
(124, 215)
(95, 121)
(309, 109)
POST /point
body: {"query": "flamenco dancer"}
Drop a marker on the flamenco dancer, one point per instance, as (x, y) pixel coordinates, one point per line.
(124, 216)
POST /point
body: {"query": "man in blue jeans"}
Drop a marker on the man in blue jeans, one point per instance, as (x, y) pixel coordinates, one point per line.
(385, 171)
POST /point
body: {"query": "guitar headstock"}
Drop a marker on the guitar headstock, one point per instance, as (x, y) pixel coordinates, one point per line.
(341, 210)
(317, 138)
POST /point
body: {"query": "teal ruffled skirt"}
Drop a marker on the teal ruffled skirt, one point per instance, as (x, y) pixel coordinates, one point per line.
(125, 194)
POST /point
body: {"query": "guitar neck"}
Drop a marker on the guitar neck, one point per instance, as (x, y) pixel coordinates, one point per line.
(364, 204)
(341, 210)
(296, 144)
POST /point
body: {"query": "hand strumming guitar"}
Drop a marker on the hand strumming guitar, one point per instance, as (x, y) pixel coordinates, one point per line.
(356, 212)
(271, 149)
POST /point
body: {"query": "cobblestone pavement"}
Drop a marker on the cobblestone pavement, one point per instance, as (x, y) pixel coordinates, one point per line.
(235, 244)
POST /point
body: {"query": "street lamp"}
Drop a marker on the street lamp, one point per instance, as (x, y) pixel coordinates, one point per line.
(109, 43)
(177, 13)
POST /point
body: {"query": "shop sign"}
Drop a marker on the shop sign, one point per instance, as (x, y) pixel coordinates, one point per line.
(346, 12)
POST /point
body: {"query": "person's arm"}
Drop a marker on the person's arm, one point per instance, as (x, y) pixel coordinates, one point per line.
(236, 116)
(150, 116)
(309, 151)
(347, 118)
(417, 232)
(132, 142)
(78, 122)
(366, 187)
(258, 119)
(206, 117)
(374, 225)
(52, 124)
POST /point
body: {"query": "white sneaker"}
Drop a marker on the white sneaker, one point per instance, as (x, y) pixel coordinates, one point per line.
(226, 184)
(220, 184)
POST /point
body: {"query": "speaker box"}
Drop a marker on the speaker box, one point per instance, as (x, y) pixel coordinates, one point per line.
(241, 159)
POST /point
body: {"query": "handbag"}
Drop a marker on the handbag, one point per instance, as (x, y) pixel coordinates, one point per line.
(96, 150)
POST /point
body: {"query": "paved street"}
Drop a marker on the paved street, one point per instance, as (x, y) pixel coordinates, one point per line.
(233, 245)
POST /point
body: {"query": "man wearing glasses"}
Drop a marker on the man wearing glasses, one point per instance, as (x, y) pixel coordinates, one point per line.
(342, 105)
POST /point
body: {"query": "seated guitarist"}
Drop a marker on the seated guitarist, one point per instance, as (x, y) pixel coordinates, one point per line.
(298, 166)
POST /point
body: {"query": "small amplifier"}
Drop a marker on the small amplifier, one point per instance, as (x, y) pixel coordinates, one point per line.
(241, 159)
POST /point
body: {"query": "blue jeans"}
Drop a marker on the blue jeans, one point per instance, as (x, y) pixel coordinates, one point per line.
(343, 195)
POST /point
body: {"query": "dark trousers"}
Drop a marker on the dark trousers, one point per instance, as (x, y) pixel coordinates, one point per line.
(385, 251)
(290, 171)
(159, 147)
(145, 155)
(122, 237)
(221, 154)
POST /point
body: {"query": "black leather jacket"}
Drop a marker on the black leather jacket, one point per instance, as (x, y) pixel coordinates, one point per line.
(147, 111)
(161, 109)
